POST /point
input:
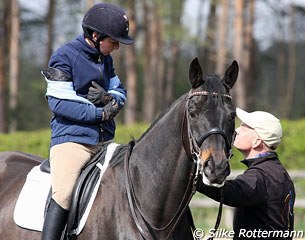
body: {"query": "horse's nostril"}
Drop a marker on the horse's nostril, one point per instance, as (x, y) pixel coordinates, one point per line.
(208, 167)
(216, 173)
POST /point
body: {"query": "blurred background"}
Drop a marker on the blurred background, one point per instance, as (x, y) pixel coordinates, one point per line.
(266, 37)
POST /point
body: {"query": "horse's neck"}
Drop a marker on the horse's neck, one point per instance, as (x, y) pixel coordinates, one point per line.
(163, 142)
(160, 168)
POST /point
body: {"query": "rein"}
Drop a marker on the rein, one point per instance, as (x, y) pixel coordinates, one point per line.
(196, 170)
(134, 205)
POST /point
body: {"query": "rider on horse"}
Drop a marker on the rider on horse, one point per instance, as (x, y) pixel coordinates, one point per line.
(79, 71)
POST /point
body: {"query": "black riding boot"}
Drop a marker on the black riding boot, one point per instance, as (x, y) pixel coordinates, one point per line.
(55, 222)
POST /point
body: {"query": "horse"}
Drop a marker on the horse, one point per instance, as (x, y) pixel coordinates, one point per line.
(145, 193)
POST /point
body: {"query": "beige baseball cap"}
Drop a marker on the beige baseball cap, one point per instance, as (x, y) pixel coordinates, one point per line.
(267, 126)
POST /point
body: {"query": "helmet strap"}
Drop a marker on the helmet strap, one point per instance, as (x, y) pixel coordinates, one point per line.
(96, 43)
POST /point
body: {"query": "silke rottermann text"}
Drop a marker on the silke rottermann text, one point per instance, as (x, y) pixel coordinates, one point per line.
(256, 233)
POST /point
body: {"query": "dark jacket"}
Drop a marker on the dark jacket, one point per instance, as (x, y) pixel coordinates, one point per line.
(263, 197)
(75, 121)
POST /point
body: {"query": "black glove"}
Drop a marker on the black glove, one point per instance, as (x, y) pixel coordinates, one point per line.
(98, 95)
(54, 74)
(110, 110)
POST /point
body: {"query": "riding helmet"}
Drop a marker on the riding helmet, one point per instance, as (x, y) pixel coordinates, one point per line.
(108, 20)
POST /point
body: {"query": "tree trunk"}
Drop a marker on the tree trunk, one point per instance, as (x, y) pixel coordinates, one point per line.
(14, 63)
(249, 54)
(4, 9)
(240, 89)
(3, 123)
(50, 24)
(89, 3)
(160, 61)
(130, 112)
(291, 66)
(150, 68)
(170, 73)
(209, 43)
(221, 53)
(174, 39)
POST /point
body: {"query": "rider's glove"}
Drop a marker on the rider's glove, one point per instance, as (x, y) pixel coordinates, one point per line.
(98, 95)
(110, 110)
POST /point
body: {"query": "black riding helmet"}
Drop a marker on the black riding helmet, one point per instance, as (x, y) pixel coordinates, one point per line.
(108, 20)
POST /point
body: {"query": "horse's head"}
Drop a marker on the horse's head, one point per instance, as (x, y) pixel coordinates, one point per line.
(211, 116)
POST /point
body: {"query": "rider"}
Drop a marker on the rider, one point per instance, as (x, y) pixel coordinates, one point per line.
(79, 70)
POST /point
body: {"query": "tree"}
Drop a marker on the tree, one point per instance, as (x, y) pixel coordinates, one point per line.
(240, 87)
(175, 34)
(50, 26)
(2, 93)
(243, 49)
(131, 70)
(249, 53)
(221, 54)
(3, 118)
(89, 3)
(209, 42)
(151, 59)
(13, 62)
(291, 81)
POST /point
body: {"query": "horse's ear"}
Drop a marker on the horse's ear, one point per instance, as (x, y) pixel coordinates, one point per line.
(195, 73)
(231, 74)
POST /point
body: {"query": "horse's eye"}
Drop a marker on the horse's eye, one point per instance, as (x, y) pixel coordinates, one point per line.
(192, 114)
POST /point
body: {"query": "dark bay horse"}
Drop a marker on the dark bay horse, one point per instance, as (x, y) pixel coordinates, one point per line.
(146, 193)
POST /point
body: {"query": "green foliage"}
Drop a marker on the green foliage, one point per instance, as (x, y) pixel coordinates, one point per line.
(124, 134)
(291, 151)
(37, 142)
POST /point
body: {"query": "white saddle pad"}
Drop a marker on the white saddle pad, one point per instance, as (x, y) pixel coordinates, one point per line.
(31, 203)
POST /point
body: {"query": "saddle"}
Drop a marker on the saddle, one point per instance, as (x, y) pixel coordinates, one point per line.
(83, 189)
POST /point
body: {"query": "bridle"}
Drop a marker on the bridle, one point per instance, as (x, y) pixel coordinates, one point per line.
(197, 169)
(195, 144)
(195, 149)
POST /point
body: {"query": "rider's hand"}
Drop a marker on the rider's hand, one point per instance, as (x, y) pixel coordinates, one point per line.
(98, 95)
(110, 110)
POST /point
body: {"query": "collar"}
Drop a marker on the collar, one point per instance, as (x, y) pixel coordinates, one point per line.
(89, 51)
(265, 156)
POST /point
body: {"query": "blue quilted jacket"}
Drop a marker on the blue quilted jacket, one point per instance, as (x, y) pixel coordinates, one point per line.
(76, 121)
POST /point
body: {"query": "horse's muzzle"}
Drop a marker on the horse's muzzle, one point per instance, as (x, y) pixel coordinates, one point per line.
(215, 173)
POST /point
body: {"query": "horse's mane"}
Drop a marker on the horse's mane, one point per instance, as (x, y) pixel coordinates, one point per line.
(120, 152)
(209, 79)
(161, 116)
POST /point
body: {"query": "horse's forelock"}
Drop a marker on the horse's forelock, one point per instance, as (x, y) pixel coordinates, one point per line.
(213, 83)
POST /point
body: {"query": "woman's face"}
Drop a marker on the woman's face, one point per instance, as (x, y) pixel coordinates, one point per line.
(108, 45)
